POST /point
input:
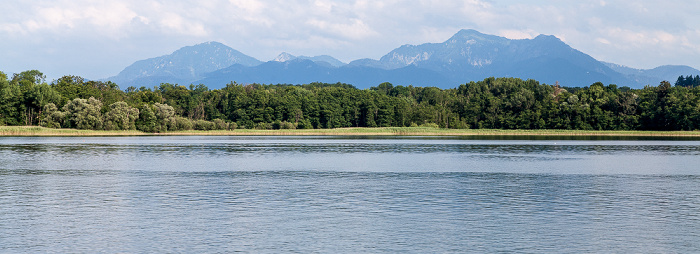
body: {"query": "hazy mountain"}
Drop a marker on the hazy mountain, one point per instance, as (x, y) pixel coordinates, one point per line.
(304, 71)
(467, 56)
(368, 63)
(470, 55)
(182, 66)
(654, 76)
(322, 60)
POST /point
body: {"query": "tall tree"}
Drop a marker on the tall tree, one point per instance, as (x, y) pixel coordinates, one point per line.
(11, 106)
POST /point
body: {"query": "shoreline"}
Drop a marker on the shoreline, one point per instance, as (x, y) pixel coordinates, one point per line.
(36, 131)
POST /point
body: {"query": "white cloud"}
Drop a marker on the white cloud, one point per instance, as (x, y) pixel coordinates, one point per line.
(105, 18)
(641, 34)
(603, 41)
(174, 23)
(354, 29)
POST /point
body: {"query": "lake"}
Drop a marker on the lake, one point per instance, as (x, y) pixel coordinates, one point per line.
(348, 195)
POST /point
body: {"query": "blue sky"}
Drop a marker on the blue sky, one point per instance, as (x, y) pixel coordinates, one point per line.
(97, 39)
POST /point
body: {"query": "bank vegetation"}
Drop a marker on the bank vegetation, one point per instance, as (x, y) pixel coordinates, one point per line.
(72, 104)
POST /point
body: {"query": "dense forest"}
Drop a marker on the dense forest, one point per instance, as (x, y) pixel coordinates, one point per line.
(493, 103)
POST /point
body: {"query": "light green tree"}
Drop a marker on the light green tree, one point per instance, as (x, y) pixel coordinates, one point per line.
(165, 115)
(157, 118)
(121, 117)
(84, 114)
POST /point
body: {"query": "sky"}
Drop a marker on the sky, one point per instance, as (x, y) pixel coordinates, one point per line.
(98, 39)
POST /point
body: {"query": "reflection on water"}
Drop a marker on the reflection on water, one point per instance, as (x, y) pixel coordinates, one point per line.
(351, 155)
(318, 194)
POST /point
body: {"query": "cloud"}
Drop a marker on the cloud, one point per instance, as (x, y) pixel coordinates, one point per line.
(108, 35)
(603, 41)
(109, 18)
(105, 18)
(174, 23)
(354, 29)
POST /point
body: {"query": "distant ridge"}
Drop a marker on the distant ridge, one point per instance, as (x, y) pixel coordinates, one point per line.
(303, 71)
(182, 66)
(466, 56)
(470, 55)
(656, 75)
(322, 60)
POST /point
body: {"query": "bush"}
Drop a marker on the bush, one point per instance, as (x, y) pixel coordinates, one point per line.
(430, 125)
(203, 125)
(183, 124)
(304, 124)
(287, 125)
(263, 126)
(221, 124)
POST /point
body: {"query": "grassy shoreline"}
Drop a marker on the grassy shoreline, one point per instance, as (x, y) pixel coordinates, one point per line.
(36, 131)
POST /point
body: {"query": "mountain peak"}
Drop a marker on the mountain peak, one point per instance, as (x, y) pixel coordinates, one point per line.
(468, 32)
(323, 59)
(206, 46)
(211, 43)
(184, 65)
(466, 35)
(283, 57)
(544, 37)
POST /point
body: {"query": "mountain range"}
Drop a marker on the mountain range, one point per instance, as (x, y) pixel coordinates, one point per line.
(467, 56)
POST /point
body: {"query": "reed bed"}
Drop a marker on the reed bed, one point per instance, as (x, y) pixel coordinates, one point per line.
(381, 131)
(42, 131)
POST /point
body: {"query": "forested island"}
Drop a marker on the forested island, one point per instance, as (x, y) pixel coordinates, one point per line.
(26, 99)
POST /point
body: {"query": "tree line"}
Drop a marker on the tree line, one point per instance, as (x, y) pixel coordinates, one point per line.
(493, 103)
(688, 81)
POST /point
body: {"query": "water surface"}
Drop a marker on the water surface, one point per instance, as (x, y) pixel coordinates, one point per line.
(348, 195)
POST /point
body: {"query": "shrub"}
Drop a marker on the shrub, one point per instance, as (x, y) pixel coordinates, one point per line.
(183, 124)
(430, 125)
(287, 125)
(204, 125)
(304, 124)
(276, 125)
(220, 124)
(263, 126)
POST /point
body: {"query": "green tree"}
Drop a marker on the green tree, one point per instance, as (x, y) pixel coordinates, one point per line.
(84, 114)
(35, 93)
(147, 121)
(121, 117)
(51, 117)
(70, 87)
(158, 118)
(11, 104)
(165, 117)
